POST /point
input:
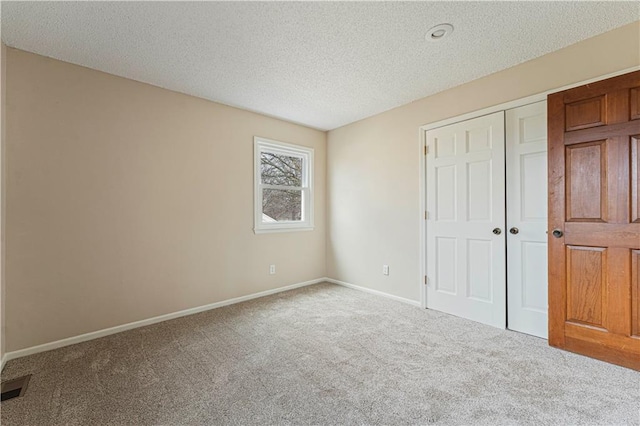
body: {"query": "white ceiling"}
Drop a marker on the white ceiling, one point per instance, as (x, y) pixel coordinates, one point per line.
(322, 64)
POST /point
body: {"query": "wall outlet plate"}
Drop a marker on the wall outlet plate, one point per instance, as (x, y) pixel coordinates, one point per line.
(272, 269)
(385, 269)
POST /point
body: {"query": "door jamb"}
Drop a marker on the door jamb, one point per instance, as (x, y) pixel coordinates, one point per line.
(422, 145)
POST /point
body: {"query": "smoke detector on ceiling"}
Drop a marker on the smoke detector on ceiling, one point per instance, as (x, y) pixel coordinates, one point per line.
(439, 32)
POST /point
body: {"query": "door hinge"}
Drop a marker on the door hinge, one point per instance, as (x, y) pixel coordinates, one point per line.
(426, 150)
(426, 280)
(425, 215)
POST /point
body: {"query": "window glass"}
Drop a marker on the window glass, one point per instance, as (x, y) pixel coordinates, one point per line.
(278, 169)
(282, 205)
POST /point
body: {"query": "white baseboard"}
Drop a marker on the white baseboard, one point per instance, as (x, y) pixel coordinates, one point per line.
(376, 292)
(124, 327)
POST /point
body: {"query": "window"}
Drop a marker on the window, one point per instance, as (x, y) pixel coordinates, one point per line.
(283, 187)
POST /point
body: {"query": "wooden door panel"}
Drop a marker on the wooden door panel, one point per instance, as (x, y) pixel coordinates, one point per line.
(586, 177)
(602, 337)
(603, 132)
(586, 278)
(635, 293)
(585, 113)
(618, 179)
(590, 234)
(617, 305)
(634, 103)
(635, 178)
(618, 107)
(594, 207)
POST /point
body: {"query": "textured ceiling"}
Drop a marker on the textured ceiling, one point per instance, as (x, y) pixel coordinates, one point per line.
(322, 64)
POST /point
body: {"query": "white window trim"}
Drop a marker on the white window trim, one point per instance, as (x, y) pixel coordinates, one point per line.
(306, 224)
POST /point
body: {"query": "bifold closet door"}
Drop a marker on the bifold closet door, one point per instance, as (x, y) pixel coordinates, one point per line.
(526, 161)
(466, 218)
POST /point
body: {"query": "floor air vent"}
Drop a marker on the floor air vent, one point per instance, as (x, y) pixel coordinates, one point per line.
(15, 387)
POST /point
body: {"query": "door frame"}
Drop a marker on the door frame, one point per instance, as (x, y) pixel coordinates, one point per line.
(422, 158)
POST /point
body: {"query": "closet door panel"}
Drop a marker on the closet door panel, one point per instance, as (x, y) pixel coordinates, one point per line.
(526, 167)
(465, 201)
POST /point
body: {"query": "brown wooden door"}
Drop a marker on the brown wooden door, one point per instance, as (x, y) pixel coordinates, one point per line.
(594, 203)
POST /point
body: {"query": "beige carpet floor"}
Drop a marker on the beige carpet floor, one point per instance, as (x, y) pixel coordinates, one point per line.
(320, 355)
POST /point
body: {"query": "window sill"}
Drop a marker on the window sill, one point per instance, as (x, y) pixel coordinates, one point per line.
(277, 230)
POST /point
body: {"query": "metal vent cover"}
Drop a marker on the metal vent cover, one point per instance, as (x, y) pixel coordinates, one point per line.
(15, 387)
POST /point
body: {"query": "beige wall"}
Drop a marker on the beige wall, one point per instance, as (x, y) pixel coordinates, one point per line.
(126, 201)
(372, 165)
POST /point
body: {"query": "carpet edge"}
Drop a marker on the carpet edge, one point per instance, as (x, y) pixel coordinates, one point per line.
(372, 291)
(149, 321)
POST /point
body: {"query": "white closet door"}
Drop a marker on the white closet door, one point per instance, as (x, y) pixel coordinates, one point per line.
(526, 131)
(465, 204)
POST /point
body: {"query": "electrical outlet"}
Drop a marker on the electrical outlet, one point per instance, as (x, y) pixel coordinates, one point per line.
(272, 269)
(385, 269)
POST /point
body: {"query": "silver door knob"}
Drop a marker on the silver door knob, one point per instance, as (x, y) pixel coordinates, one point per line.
(497, 231)
(514, 230)
(557, 233)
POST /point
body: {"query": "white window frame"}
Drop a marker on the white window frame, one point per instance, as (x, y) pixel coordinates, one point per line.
(261, 145)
